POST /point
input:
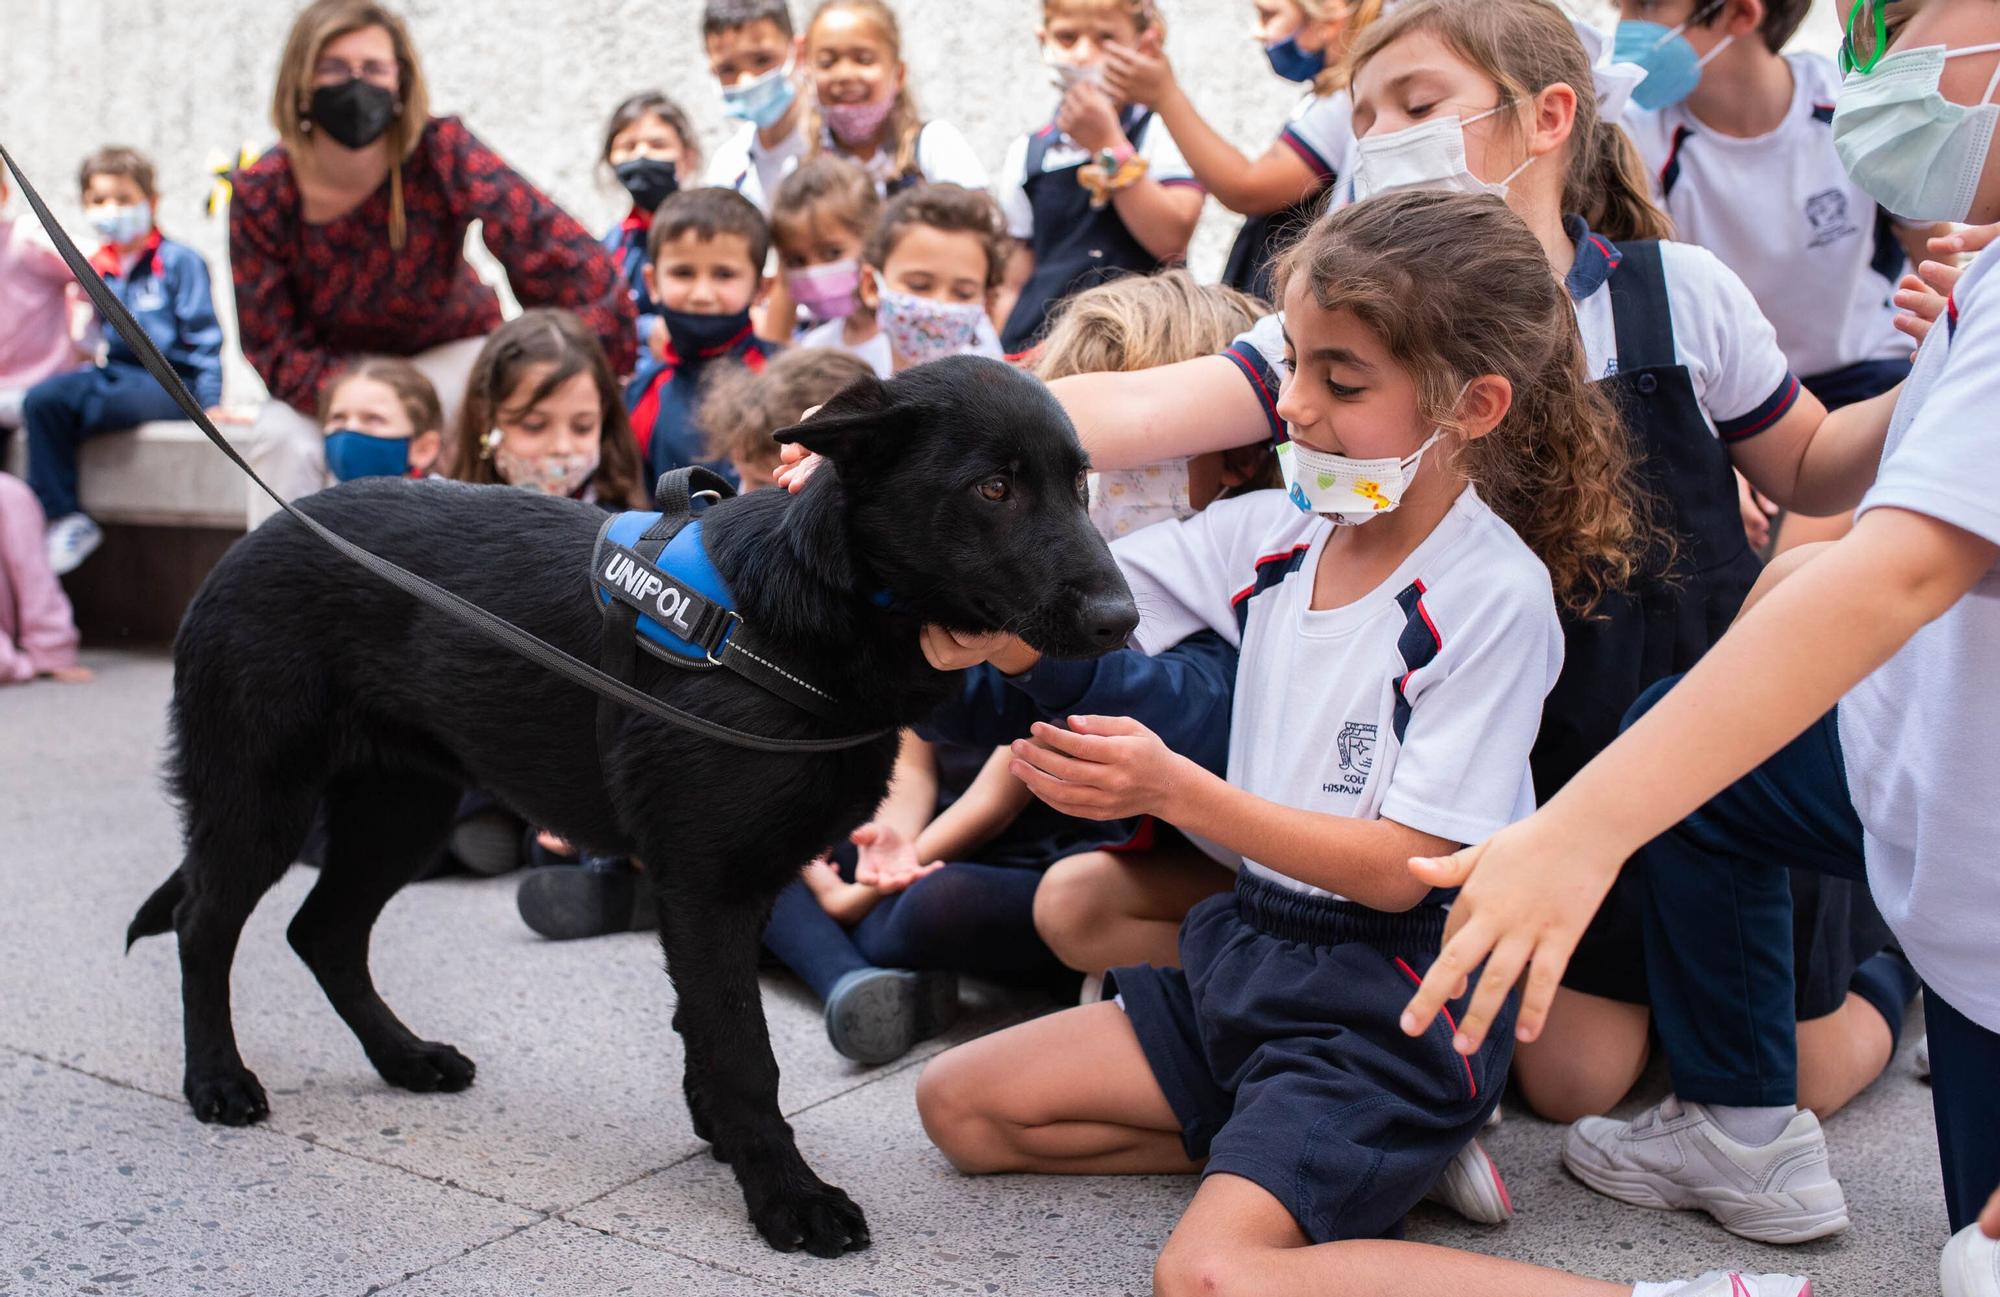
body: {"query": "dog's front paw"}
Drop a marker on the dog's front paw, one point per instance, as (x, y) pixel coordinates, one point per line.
(228, 1098)
(425, 1066)
(819, 1218)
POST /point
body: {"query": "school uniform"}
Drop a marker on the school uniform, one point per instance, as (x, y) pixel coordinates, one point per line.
(1075, 245)
(1321, 134)
(626, 242)
(1912, 749)
(661, 401)
(1694, 368)
(744, 164)
(1818, 254)
(1276, 1042)
(165, 287)
(943, 157)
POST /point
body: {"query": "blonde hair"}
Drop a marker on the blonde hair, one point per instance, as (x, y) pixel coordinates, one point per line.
(1526, 46)
(1457, 287)
(903, 125)
(327, 20)
(1145, 14)
(1140, 322)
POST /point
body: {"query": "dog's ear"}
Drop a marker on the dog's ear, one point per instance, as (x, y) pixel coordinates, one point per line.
(853, 425)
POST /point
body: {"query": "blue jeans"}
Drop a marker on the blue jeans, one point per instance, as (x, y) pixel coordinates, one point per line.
(60, 413)
(1719, 952)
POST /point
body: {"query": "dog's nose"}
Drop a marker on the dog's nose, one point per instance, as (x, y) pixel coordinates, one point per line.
(1109, 619)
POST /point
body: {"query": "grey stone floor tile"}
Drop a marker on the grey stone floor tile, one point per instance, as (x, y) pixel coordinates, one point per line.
(108, 1190)
(556, 1259)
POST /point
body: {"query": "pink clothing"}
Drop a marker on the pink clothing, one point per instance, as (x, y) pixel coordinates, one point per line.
(34, 326)
(37, 630)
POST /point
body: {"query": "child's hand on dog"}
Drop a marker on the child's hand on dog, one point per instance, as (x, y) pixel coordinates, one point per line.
(1100, 768)
(886, 860)
(950, 650)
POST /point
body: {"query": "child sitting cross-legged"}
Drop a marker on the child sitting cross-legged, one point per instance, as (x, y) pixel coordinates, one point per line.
(1452, 476)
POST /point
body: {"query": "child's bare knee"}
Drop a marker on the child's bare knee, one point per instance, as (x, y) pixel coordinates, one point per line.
(1071, 904)
(1197, 1270)
(953, 1102)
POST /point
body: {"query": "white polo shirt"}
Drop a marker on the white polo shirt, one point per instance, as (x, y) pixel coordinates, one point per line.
(1321, 132)
(745, 165)
(1417, 703)
(1818, 255)
(1921, 735)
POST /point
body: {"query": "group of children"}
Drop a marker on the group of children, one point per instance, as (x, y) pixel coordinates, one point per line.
(1532, 348)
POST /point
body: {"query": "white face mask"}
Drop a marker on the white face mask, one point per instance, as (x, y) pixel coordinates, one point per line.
(1429, 155)
(1917, 153)
(1065, 74)
(1347, 492)
(1124, 500)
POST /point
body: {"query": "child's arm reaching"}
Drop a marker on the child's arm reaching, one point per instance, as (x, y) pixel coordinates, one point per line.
(902, 815)
(1161, 217)
(1110, 767)
(993, 802)
(1143, 75)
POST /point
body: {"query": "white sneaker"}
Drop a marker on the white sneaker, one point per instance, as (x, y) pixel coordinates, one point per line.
(1092, 989)
(1677, 1157)
(1734, 1283)
(71, 539)
(1922, 1054)
(1970, 1266)
(1472, 1187)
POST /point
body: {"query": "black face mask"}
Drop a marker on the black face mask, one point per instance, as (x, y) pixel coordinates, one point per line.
(650, 181)
(354, 113)
(693, 335)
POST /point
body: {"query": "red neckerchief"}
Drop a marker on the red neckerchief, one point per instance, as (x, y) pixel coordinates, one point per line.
(635, 222)
(672, 359)
(106, 262)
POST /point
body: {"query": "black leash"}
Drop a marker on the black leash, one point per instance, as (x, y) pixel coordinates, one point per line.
(493, 627)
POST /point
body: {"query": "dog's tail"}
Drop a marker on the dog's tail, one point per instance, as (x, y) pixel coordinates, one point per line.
(157, 914)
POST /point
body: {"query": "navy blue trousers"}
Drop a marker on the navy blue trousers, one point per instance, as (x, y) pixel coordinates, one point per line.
(60, 413)
(1719, 952)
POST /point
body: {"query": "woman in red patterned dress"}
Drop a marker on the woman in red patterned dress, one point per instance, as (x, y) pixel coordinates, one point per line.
(348, 238)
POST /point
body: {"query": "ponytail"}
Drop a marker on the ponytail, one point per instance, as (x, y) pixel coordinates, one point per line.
(1611, 191)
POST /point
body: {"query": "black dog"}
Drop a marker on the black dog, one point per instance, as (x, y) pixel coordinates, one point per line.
(300, 680)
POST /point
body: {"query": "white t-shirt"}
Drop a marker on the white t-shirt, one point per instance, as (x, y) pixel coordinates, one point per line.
(1321, 132)
(944, 156)
(1921, 736)
(745, 165)
(1416, 703)
(1781, 212)
(1164, 163)
(1729, 349)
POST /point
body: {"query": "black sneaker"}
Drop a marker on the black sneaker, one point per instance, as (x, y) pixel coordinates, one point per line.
(601, 896)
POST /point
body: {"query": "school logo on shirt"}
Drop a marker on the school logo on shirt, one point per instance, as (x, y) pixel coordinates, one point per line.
(1826, 212)
(1356, 746)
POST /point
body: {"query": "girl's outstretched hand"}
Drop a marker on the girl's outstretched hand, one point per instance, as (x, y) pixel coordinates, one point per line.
(1100, 768)
(1921, 297)
(1528, 893)
(886, 860)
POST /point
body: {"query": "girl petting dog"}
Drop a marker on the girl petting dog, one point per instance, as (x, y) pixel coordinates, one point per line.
(1452, 477)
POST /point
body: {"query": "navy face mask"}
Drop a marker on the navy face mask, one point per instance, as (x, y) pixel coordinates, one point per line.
(691, 335)
(351, 453)
(650, 181)
(1292, 63)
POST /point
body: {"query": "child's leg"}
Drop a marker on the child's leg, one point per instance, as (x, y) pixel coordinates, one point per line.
(1071, 1093)
(1965, 1057)
(37, 629)
(806, 940)
(288, 451)
(964, 918)
(1236, 1238)
(54, 416)
(1108, 909)
(1589, 1055)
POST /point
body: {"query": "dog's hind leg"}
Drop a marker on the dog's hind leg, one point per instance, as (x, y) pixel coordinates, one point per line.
(381, 829)
(712, 936)
(232, 860)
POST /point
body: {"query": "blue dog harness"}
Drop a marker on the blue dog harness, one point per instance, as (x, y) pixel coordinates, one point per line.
(660, 593)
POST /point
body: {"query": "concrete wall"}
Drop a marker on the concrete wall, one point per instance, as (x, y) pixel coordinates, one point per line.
(190, 81)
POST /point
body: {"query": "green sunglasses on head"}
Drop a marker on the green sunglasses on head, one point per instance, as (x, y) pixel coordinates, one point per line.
(1859, 53)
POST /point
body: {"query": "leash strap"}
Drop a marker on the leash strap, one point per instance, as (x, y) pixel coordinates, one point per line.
(495, 628)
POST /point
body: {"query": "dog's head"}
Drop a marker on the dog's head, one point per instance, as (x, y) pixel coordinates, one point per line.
(963, 496)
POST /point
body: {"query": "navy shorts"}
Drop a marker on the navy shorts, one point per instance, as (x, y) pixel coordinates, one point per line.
(1278, 1047)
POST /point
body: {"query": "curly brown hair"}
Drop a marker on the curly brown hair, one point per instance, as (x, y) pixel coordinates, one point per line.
(558, 339)
(1457, 287)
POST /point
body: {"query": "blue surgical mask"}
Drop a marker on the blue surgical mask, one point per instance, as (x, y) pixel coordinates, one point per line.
(351, 453)
(761, 100)
(1672, 67)
(1293, 63)
(1915, 152)
(120, 224)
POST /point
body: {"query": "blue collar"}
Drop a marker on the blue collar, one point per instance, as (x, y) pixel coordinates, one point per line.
(1596, 258)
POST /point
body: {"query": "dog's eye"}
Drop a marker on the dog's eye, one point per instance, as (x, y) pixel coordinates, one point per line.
(994, 489)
